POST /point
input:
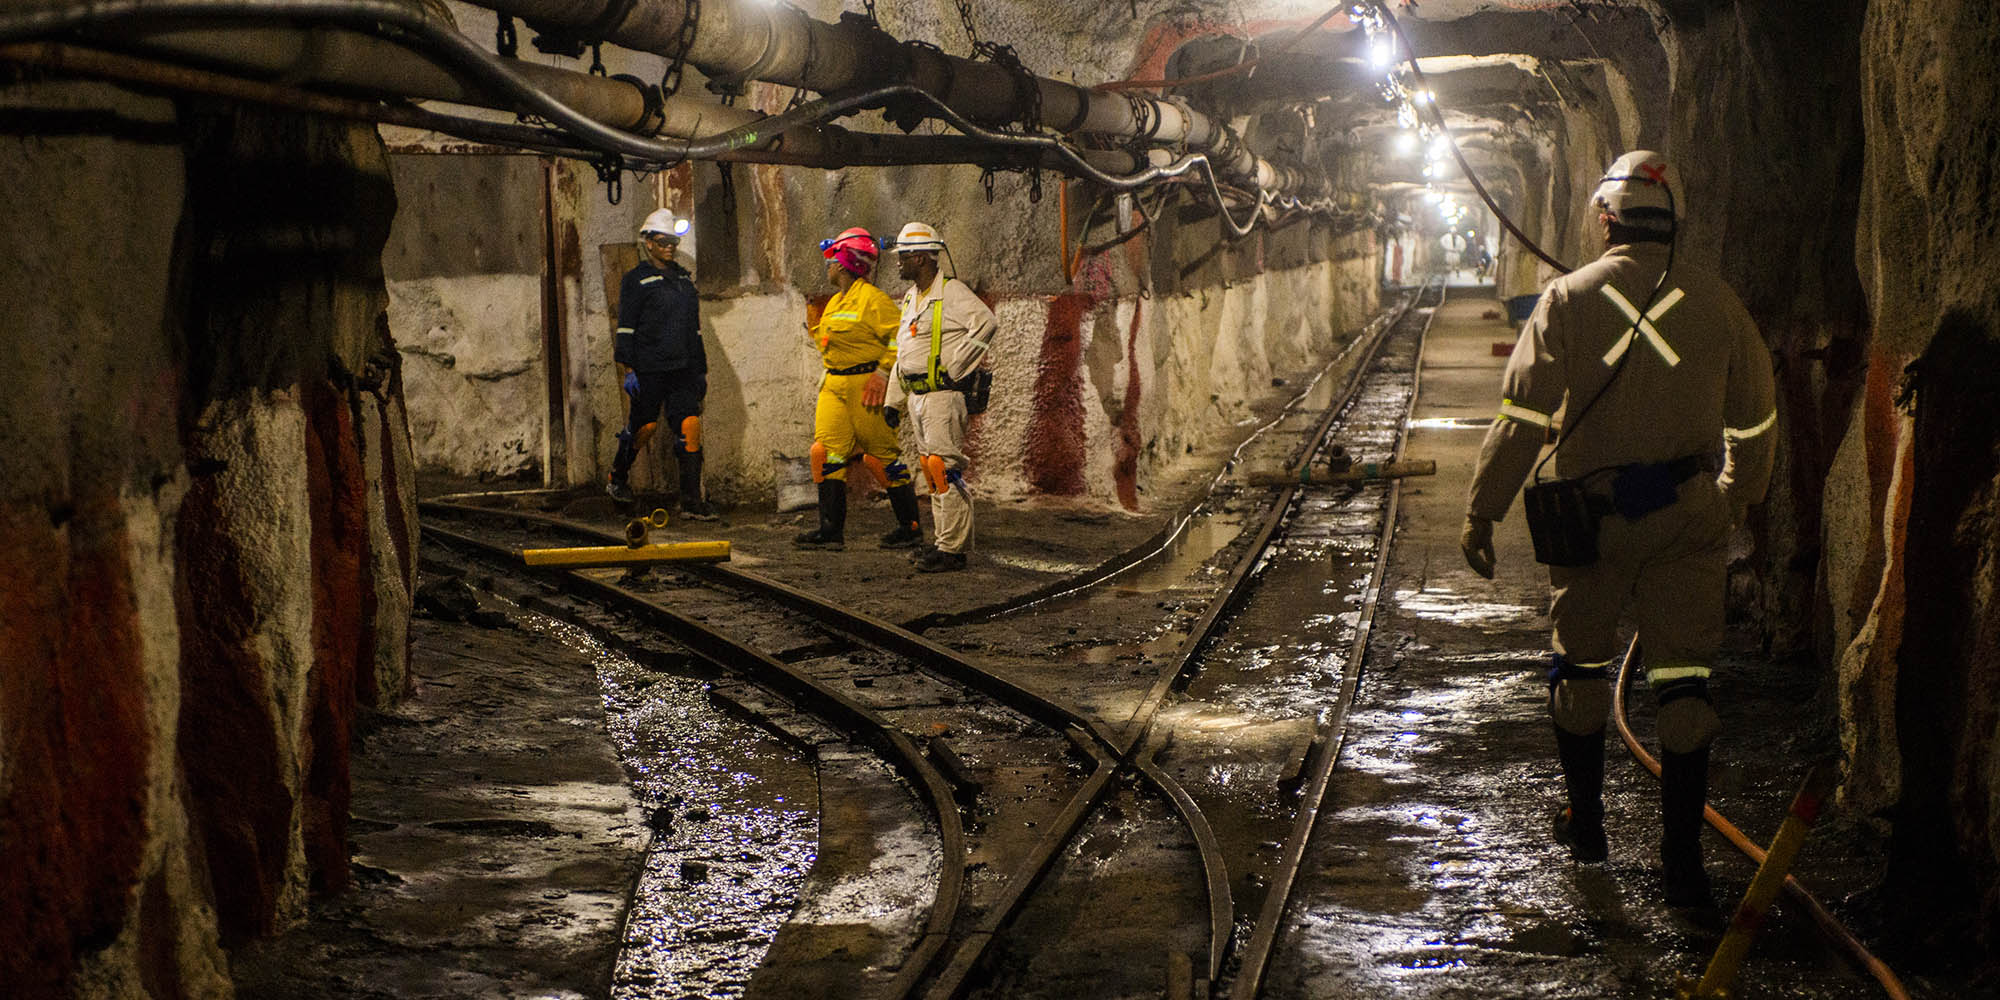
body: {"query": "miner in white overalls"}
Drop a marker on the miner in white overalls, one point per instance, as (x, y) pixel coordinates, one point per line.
(1669, 434)
(941, 339)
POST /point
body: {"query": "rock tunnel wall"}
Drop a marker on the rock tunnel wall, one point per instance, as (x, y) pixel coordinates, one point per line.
(1840, 171)
(1856, 211)
(208, 514)
(1919, 464)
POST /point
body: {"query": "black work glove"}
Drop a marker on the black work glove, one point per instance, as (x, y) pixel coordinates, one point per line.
(892, 416)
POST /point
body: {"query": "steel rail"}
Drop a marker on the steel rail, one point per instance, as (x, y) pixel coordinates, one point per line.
(1825, 922)
(1232, 592)
(1110, 568)
(1087, 734)
(1327, 743)
(732, 656)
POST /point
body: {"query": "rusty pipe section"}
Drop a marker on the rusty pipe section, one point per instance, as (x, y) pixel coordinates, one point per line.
(753, 40)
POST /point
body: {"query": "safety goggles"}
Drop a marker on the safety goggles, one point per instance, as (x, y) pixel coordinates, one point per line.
(667, 238)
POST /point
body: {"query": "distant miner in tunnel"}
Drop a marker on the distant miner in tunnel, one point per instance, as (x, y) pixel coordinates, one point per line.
(943, 335)
(856, 340)
(660, 357)
(1637, 519)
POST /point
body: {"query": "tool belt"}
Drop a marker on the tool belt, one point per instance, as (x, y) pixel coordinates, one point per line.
(1563, 514)
(861, 369)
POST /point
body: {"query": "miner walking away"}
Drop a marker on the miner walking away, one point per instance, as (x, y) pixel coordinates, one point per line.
(1668, 436)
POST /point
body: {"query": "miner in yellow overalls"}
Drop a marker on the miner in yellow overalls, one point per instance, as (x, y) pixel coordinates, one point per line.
(1669, 433)
(856, 341)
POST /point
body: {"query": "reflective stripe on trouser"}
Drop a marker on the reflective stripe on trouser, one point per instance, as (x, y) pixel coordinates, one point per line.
(940, 424)
(1672, 567)
(847, 429)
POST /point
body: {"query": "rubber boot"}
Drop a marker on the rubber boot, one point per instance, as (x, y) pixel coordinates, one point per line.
(909, 530)
(693, 505)
(1683, 790)
(621, 470)
(831, 533)
(1580, 825)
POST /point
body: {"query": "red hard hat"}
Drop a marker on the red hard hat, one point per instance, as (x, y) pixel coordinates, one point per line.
(856, 240)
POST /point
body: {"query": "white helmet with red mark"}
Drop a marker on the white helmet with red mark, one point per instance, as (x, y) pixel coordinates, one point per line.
(1638, 191)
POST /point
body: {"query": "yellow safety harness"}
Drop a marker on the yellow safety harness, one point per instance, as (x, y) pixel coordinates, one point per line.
(933, 379)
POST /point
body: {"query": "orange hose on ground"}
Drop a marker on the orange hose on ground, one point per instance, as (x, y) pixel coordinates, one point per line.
(1796, 892)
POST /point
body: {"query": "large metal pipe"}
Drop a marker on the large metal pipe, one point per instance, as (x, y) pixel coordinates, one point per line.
(749, 40)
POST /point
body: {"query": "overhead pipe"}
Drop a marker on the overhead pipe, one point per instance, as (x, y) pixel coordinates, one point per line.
(415, 26)
(749, 40)
(354, 63)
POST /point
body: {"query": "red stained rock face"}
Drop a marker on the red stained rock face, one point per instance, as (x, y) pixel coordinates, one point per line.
(343, 624)
(1056, 441)
(1126, 472)
(76, 746)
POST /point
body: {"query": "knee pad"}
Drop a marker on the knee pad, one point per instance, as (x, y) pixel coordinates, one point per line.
(1686, 721)
(645, 434)
(1579, 695)
(895, 474)
(876, 469)
(827, 465)
(934, 471)
(691, 434)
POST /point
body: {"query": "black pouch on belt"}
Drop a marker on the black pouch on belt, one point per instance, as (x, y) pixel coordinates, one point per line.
(1642, 488)
(978, 389)
(1561, 522)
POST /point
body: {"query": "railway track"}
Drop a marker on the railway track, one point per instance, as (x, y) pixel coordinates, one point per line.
(967, 739)
(1026, 786)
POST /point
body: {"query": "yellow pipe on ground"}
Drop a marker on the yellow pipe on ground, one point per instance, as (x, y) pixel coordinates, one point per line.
(1764, 887)
(622, 555)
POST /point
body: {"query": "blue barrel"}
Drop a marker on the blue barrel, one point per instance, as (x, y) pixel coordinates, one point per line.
(1520, 307)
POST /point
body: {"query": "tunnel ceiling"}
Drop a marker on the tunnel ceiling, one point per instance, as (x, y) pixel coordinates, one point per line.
(1504, 77)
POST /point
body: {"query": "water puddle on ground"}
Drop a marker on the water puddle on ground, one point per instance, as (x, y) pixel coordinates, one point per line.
(735, 816)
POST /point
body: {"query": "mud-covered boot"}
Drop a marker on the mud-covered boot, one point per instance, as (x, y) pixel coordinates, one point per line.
(1683, 790)
(909, 531)
(1580, 825)
(832, 530)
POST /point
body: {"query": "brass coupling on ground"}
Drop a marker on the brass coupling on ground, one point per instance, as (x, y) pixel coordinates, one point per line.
(638, 528)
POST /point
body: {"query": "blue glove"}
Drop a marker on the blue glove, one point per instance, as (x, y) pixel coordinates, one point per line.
(632, 384)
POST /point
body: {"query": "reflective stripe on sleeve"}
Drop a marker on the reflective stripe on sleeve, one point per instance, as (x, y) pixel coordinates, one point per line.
(627, 329)
(1515, 411)
(1746, 433)
(648, 281)
(1680, 671)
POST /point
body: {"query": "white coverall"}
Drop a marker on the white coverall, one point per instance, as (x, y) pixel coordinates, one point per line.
(964, 328)
(1698, 380)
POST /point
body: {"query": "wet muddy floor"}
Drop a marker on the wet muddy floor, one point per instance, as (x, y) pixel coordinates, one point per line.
(510, 841)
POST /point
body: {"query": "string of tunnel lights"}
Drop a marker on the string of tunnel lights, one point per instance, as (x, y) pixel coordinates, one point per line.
(1418, 113)
(1399, 87)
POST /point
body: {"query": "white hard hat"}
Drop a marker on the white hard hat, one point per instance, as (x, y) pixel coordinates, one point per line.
(1638, 180)
(664, 221)
(916, 237)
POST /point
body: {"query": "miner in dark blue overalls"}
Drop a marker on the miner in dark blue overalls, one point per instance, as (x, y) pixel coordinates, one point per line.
(661, 361)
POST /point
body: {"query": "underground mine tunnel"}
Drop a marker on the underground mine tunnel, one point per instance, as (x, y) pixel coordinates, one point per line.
(320, 314)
